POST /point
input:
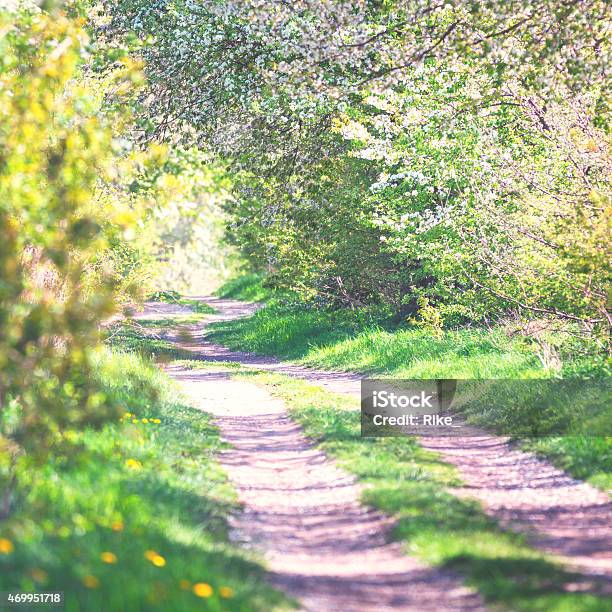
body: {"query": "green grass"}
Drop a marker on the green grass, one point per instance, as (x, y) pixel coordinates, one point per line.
(345, 340)
(144, 339)
(587, 458)
(249, 287)
(136, 487)
(356, 341)
(416, 487)
(174, 297)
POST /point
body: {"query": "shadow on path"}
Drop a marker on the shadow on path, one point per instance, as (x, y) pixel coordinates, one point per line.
(561, 515)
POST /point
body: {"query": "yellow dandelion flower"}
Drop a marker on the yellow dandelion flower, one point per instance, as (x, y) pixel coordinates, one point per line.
(108, 557)
(6, 546)
(133, 464)
(201, 589)
(91, 582)
(135, 421)
(117, 526)
(226, 592)
(145, 421)
(158, 421)
(127, 415)
(155, 558)
(185, 585)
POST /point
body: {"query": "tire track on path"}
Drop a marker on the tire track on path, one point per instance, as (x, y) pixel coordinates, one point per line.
(563, 516)
(322, 546)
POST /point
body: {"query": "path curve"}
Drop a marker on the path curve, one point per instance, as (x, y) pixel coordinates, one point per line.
(322, 545)
(561, 515)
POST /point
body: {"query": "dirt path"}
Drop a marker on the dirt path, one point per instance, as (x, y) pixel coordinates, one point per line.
(563, 516)
(322, 546)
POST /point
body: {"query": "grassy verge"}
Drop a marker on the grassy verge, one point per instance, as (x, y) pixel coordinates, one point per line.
(138, 520)
(173, 297)
(413, 485)
(144, 338)
(249, 287)
(362, 342)
(587, 458)
(149, 337)
(344, 340)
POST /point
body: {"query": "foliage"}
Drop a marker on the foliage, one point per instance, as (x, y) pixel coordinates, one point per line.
(270, 67)
(186, 190)
(486, 198)
(166, 296)
(454, 156)
(78, 208)
(53, 147)
(440, 164)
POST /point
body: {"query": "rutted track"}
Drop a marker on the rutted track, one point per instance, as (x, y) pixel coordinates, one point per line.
(322, 545)
(561, 515)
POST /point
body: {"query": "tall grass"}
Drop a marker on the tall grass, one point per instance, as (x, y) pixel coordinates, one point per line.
(138, 519)
(347, 340)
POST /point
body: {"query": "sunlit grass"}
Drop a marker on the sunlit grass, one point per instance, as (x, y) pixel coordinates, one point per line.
(588, 458)
(139, 520)
(249, 287)
(352, 341)
(413, 353)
